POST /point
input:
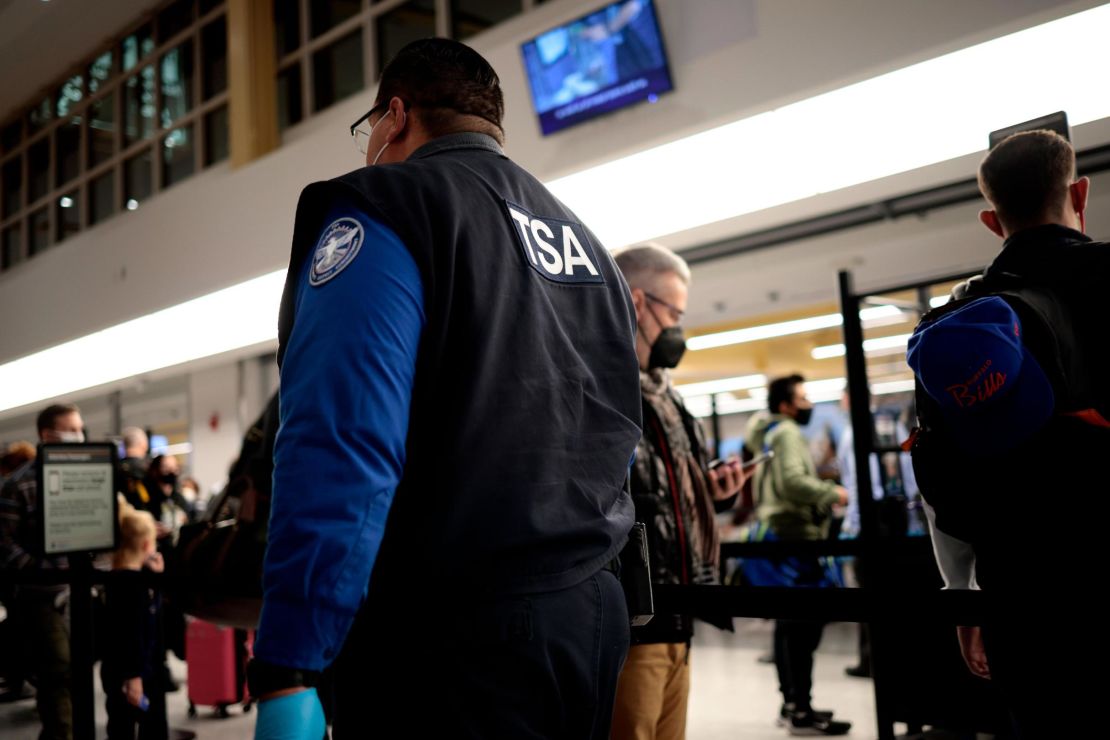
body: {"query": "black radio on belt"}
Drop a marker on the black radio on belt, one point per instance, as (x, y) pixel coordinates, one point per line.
(636, 576)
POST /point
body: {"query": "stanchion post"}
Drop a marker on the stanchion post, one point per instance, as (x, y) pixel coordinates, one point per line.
(863, 437)
(81, 649)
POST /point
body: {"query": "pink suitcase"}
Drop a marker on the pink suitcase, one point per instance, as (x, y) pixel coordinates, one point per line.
(217, 667)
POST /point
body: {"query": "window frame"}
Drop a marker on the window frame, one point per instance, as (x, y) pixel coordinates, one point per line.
(366, 20)
(115, 85)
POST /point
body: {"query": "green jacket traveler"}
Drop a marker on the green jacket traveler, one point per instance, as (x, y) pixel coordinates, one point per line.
(789, 497)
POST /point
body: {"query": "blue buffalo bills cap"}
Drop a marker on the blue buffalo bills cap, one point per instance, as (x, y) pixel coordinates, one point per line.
(973, 363)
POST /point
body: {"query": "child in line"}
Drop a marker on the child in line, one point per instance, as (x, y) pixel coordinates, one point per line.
(131, 668)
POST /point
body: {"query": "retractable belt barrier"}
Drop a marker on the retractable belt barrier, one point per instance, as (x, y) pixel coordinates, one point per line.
(825, 604)
(760, 602)
(888, 607)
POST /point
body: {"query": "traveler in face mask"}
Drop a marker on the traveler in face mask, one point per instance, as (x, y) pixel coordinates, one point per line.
(194, 503)
(794, 504)
(133, 467)
(459, 404)
(166, 503)
(39, 611)
(674, 492)
(167, 506)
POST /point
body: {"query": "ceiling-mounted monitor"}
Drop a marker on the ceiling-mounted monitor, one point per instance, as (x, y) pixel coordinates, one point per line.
(596, 64)
(1057, 122)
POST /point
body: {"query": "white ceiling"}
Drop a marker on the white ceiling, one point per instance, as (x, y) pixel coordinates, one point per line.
(44, 40)
(802, 274)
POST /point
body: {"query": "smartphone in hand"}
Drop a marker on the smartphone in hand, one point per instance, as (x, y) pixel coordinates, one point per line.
(751, 465)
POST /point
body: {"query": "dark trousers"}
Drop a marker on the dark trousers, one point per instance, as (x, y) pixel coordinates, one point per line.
(795, 644)
(541, 666)
(1047, 671)
(44, 627)
(124, 719)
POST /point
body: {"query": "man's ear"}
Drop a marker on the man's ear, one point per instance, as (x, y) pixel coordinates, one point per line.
(989, 219)
(1078, 192)
(639, 300)
(400, 122)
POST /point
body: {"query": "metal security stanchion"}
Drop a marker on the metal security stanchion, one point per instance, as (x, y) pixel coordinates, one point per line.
(81, 650)
(860, 396)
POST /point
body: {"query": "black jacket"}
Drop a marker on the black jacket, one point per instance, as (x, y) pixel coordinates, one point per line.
(668, 519)
(1032, 514)
(132, 639)
(1076, 270)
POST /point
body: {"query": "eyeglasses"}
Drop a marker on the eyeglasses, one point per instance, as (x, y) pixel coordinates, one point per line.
(362, 135)
(676, 313)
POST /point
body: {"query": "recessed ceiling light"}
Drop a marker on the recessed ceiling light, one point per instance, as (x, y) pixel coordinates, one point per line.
(873, 347)
(739, 383)
(875, 316)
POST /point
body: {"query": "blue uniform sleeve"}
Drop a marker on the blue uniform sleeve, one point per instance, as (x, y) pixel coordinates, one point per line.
(346, 389)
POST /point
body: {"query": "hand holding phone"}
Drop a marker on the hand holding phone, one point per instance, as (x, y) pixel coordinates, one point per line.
(751, 465)
(725, 478)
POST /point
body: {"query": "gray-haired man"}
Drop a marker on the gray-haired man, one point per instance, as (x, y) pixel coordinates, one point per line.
(674, 491)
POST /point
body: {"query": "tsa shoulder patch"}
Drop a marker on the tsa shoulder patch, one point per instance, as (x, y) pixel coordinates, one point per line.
(337, 248)
(557, 249)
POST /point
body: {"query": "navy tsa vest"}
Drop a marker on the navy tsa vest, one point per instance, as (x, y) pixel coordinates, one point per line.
(526, 402)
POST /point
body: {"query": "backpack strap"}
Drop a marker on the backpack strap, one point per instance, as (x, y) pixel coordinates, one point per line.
(769, 469)
(1050, 335)
(766, 434)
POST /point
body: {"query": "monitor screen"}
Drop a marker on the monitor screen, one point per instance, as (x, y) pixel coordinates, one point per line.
(596, 64)
(158, 444)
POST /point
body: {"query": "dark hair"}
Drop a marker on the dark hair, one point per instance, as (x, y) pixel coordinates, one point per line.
(155, 466)
(445, 81)
(1026, 177)
(16, 455)
(51, 414)
(781, 390)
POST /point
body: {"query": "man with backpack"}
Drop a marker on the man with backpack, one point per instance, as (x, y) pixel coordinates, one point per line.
(1011, 444)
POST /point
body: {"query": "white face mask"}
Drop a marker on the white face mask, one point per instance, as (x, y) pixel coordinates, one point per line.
(70, 436)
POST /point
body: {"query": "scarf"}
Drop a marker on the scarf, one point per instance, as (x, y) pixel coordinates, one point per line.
(703, 539)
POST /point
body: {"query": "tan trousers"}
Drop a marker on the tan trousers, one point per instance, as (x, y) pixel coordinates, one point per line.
(652, 693)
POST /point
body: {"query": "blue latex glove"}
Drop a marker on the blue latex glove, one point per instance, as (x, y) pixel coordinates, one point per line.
(298, 716)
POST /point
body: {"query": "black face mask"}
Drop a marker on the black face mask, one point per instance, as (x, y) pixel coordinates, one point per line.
(804, 416)
(169, 479)
(668, 348)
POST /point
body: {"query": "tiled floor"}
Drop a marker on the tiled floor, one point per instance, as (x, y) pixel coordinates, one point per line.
(733, 696)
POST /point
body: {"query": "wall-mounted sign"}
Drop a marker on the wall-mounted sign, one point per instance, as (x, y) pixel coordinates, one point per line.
(77, 497)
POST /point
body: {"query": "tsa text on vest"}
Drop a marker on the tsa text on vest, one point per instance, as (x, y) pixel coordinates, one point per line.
(537, 237)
